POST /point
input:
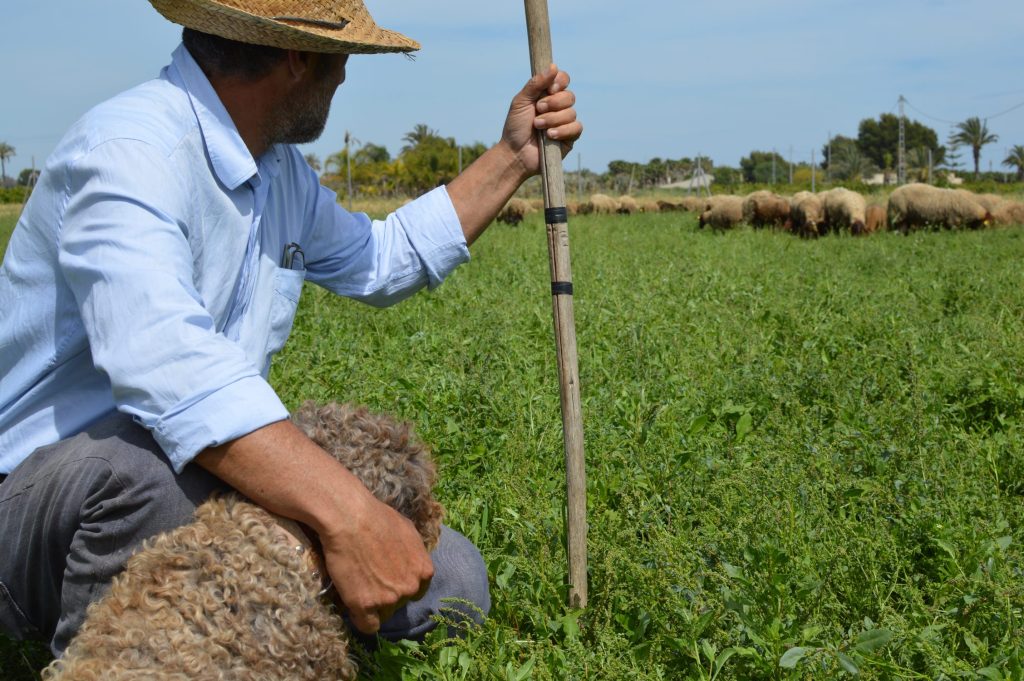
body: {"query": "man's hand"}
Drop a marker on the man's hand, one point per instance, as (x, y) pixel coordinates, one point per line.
(546, 104)
(374, 555)
(378, 562)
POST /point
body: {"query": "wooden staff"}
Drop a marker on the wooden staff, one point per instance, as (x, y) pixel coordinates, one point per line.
(555, 215)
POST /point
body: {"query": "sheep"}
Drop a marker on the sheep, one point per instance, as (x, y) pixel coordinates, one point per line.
(668, 206)
(913, 206)
(692, 204)
(808, 214)
(874, 219)
(628, 205)
(844, 210)
(238, 593)
(649, 206)
(1004, 211)
(1009, 213)
(601, 204)
(514, 211)
(766, 209)
(722, 212)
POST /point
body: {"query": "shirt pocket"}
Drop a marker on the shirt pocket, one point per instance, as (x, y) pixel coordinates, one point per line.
(287, 290)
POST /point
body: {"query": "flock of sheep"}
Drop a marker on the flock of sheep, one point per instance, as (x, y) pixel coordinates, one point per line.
(807, 214)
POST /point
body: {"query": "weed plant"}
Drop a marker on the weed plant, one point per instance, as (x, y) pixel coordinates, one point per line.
(805, 458)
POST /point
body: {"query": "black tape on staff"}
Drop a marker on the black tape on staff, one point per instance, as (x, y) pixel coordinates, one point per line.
(556, 216)
(561, 288)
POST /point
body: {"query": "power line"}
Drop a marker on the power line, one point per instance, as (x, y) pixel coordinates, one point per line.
(943, 120)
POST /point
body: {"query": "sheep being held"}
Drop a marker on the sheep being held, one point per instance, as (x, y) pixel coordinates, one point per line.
(239, 592)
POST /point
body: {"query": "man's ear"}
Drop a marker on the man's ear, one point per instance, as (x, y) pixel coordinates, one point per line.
(299, 64)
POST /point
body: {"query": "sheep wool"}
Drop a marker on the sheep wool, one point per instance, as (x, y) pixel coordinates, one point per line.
(722, 212)
(807, 213)
(765, 209)
(844, 210)
(914, 206)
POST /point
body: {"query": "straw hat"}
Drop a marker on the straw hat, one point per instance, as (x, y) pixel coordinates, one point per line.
(310, 25)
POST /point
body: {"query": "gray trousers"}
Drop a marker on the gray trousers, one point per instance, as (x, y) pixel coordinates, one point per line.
(72, 514)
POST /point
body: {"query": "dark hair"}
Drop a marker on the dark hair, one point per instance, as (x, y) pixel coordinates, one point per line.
(223, 57)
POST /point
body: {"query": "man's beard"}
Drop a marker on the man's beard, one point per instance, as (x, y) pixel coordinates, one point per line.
(301, 119)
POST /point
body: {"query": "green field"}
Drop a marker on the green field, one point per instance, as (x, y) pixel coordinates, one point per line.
(805, 458)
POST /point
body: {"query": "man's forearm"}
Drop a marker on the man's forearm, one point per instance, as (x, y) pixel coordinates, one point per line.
(282, 470)
(481, 191)
(374, 555)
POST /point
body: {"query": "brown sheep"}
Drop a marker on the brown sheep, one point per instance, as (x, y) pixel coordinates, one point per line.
(914, 206)
(239, 592)
(765, 209)
(844, 210)
(722, 212)
(874, 219)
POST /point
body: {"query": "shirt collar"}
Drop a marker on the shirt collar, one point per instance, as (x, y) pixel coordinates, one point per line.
(232, 162)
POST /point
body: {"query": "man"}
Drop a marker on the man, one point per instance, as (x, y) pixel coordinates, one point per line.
(155, 273)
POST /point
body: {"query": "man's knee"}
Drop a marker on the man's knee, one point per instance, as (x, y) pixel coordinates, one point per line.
(458, 596)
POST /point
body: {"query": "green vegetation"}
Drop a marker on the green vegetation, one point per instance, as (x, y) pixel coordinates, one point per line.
(8, 218)
(805, 458)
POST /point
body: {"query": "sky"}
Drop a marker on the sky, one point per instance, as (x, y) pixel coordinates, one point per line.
(668, 78)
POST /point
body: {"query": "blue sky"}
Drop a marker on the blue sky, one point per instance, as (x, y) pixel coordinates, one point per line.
(665, 79)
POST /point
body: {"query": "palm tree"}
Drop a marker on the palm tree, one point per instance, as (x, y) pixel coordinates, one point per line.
(1015, 159)
(6, 152)
(973, 133)
(314, 162)
(420, 133)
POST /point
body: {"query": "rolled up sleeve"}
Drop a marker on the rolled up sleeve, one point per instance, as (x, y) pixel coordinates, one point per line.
(381, 262)
(124, 253)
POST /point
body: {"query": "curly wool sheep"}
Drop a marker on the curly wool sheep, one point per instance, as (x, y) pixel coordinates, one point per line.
(914, 206)
(236, 594)
(766, 209)
(722, 212)
(844, 210)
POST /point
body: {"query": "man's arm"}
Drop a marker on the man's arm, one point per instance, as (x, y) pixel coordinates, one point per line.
(374, 554)
(480, 192)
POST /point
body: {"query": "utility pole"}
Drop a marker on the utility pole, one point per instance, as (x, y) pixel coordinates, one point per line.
(348, 165)
(814, 170)
(828, 161)
(579, 178)
(791, 164)
(901, 162)
(460, 159)
(929, 165)
(774, 154)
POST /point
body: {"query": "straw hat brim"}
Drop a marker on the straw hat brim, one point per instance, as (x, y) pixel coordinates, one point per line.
(360, 35)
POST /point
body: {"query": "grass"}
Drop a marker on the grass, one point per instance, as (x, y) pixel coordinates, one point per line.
(805, 458)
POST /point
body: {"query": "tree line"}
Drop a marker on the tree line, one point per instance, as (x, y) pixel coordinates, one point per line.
(427, 160)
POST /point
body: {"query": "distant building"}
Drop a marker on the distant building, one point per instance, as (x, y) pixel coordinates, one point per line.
(690, 183)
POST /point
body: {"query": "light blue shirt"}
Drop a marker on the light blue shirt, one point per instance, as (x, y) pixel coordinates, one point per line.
(145, 272)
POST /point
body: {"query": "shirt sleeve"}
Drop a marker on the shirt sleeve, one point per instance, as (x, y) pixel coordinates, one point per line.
(381, 262)
(124, 253)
